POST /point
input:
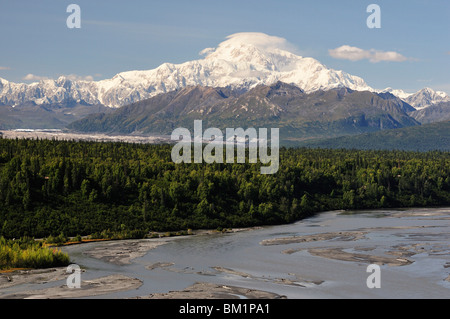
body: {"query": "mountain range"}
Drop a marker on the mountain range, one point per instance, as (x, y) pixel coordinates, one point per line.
(249, 80)
(241, 62)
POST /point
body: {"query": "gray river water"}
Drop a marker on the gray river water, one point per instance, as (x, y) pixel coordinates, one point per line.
(292, 269)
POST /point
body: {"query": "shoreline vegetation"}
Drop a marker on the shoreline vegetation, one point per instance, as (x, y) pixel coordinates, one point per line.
(27, 253)
(69, 192)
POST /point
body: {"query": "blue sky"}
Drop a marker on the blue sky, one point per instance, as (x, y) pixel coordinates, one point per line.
(118, 36)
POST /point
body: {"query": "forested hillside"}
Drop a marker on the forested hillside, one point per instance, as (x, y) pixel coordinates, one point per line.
(79, 188)
(428, 137)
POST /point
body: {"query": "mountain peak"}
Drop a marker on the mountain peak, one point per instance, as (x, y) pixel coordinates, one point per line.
(253, 52)
(426, 97)
(434, 93)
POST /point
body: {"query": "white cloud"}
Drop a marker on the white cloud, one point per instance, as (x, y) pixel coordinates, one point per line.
(32, 77)
(75, 77)
(347, 52)
(72, 77)
(260, 40)
(207, 51)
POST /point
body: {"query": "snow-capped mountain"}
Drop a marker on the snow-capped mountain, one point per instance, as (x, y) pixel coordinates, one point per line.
(426, 97)
(48, 91)
(398, 93)
(421, 99)
(242, 61)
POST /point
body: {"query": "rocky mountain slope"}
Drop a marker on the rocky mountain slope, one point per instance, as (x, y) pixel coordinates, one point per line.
(435, 113)
(297, 113)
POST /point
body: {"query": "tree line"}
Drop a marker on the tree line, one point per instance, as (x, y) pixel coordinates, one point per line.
(50, 187)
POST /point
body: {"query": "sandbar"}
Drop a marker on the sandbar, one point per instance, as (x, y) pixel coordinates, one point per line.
(203, 290)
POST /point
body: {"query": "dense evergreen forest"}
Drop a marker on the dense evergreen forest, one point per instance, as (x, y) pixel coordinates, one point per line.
(50, 187)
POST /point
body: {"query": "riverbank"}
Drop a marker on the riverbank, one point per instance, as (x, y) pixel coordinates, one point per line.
(15, 277)
(117, 252)
(94, 287)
